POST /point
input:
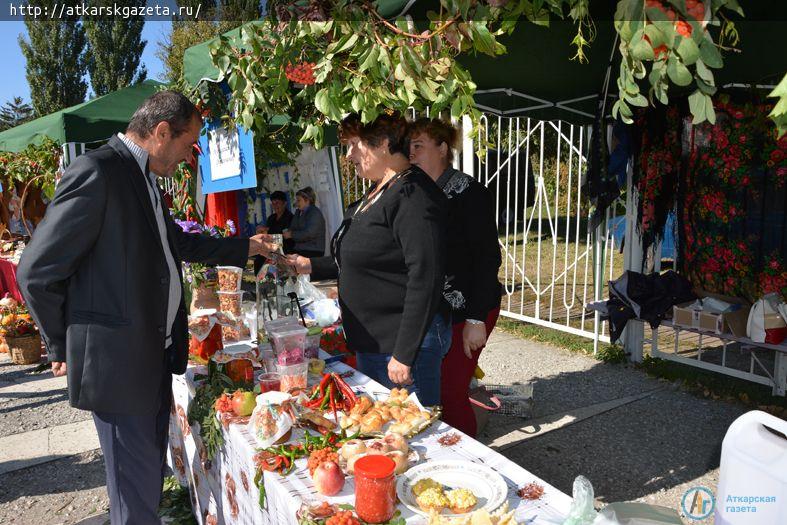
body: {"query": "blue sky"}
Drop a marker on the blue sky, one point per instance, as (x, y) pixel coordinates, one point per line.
(14, 83)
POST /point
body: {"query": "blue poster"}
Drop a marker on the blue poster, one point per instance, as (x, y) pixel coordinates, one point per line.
(227, 159)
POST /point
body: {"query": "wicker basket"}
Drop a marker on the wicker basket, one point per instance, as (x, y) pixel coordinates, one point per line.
(25, 350)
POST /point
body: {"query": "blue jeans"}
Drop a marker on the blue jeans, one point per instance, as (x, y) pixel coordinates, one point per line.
(426, 367)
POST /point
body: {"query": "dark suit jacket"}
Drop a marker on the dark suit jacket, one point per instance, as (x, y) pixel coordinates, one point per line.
(96, 281)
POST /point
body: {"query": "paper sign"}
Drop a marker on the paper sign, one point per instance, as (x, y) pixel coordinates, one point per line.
(227, 160)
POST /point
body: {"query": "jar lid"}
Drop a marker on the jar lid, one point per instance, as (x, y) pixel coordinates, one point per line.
(375, 466)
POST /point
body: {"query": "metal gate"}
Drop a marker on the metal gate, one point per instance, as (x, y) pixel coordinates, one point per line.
(553, 265)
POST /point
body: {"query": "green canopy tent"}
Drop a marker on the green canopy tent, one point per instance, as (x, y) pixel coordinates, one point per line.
(90, 121)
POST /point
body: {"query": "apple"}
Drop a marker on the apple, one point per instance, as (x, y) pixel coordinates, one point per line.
(328, 478)
(243, 403)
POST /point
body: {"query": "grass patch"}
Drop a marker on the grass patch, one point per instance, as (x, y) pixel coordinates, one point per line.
(175, 505)
(702, 383)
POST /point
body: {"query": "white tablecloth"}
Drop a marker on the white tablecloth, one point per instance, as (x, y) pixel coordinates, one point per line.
(224, 492)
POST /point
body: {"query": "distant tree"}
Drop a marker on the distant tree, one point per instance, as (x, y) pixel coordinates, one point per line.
(14, 112)
(114, 50)
(56, 64)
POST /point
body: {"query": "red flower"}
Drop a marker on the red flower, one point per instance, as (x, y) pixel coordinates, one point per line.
(774, 264)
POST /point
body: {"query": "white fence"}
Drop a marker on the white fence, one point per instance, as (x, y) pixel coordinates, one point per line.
(552, 264)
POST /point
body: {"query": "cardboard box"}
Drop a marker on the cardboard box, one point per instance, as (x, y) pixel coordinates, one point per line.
(684, 315)
(727, 323)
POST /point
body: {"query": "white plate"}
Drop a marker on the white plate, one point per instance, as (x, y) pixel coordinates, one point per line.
(488, 486)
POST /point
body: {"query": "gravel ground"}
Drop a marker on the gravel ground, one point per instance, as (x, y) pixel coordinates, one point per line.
(651, 450)
(63, 491)
(34, 410)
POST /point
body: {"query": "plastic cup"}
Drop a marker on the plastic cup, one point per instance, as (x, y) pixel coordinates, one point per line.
(230, 303)
(293, 377)
(269, 382)
(230, 278)
(289, 344)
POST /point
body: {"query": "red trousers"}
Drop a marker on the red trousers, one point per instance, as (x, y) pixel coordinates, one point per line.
(455, 375)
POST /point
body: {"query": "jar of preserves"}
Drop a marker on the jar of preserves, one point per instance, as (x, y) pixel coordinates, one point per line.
(375, 488)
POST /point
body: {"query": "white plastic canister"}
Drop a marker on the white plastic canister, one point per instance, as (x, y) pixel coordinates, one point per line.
(753, 478)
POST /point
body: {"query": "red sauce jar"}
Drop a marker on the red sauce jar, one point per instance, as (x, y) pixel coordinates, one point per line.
(207, 347)
(375, 488)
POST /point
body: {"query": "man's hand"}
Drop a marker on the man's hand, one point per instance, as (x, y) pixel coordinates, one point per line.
(261, 244)
(399, 373)
(301, 264)
(473, 338)
(58, 368)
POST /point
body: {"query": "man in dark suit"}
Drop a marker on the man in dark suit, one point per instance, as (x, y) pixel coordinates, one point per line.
(102, 279)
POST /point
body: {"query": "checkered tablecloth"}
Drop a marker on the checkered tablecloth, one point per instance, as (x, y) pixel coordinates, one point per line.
(223, 490)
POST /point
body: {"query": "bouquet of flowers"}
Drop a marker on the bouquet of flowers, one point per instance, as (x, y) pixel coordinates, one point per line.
(16, 322)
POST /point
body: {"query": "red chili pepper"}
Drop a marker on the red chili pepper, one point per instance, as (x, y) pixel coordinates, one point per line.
(346, 389)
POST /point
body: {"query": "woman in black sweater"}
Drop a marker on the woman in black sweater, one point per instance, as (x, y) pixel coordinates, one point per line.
(472, 263)
(389, 255)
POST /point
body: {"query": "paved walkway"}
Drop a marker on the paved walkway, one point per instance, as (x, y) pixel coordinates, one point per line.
(635, 438)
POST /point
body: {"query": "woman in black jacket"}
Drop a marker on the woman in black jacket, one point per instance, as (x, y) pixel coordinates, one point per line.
(388, 253)
(472, 263)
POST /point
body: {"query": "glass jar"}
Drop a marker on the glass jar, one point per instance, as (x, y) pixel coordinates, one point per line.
(375, 488)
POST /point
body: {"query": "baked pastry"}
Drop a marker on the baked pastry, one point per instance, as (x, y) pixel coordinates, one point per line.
(461, 500)
(425, 483)
(352, 448)
(377, 446)
(400, 458)
(351, 462)
(396, 441)
(432, 499)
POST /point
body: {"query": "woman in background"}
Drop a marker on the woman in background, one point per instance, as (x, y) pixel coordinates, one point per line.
(472, 263)
(307, 228)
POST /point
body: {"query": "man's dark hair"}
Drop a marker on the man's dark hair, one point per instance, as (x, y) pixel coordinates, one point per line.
(164, 106)
(278, 196)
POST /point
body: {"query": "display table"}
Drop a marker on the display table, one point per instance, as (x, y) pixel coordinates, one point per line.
(223, 490)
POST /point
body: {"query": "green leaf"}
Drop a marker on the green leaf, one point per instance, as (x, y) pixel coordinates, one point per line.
(710, 54)
(321, 101)
(688, 51)
(350, 42)
(655, 35)
(678, 73)
(710, 113)
(426, 90)
(356, 103)
(371, 59)
(482, 38)
(223, 63)
(641, 49)
(704, 73)
(638, 100)
(706, 88)
(697, 106)
(399, 72)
